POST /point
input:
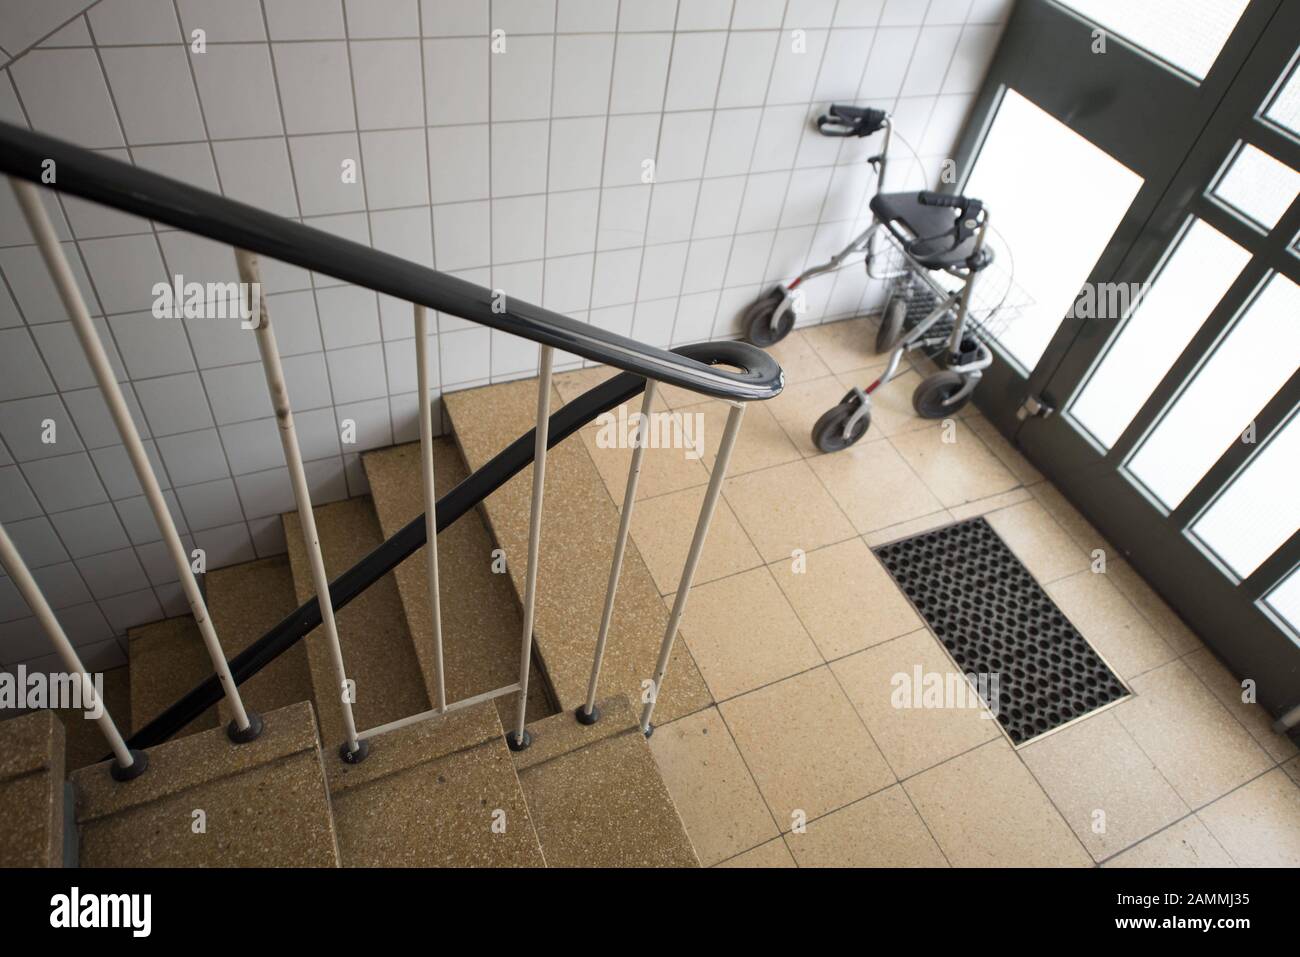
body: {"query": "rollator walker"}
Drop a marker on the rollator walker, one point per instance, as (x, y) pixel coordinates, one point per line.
(930, 247)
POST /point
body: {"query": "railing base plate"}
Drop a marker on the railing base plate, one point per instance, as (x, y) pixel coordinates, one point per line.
(518, 744)
(251, 733)
(584, 717)
(139, 764)
(357, 756)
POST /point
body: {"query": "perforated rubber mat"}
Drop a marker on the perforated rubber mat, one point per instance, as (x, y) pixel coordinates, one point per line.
(995, 619)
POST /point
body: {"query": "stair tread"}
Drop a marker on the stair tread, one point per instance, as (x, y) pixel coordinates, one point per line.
(245, 601)
(167, 659)
(378, 653)
(579, 526)
(596, 795)
(265, 803)
(31, 791)
(83, 741)
(427, 794)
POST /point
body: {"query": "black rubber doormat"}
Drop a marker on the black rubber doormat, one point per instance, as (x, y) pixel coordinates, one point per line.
(1001, 628)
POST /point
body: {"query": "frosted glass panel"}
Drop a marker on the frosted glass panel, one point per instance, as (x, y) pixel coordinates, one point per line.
(1285, 599)
(1187, 33)
(1258, 186)
(1190, 285)
(1027, 162)
(1285, 108)
(1244, 372)
(1260, 510)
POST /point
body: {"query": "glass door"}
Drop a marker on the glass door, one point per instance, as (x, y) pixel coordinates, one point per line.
(1166, 396)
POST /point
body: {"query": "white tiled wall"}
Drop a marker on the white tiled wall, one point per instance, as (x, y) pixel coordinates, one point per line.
(521, 169)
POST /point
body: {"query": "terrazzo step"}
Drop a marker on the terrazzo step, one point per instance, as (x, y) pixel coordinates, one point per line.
(84, 743)
(167, 659)
(596, 796)
(579, 525)
(378, 653)
(31, 791)
(263, 804)
(245, 601)
(480, 614)
(438, 793)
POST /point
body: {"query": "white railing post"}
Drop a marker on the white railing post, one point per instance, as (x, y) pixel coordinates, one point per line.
(588, 713)
(129, 763)
(692, 561)
(430, 494)
(352, 750)
(520, 739)
(246, 725)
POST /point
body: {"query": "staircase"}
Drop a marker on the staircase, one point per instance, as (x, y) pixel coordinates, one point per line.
(443, 792)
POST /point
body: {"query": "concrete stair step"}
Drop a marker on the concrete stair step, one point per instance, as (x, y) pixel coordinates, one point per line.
(596, 796)
(429, 795)
(167, 659)
(377, 649)
(245, 601)
(263, 804)
(480, 614)
(84, 743)
(31, 790)
(579, 526)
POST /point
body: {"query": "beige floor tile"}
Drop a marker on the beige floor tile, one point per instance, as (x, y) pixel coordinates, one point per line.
(786, 508)
(572, 384)
(1109, 623)
(1185, 844)
(1198, 746)
(663, 470)
(957, 471)
(915, 526)
(675, 397)
(798, 359)
(987, 506)
(874, 486)
(714, 793)
(772, 854)
(846, 599)
(805, 746)
(882, 830)
(1293, 768)
(663, 527)
(1259, 824)
(743, 633)
(986, 810)
(1228, 691)
(1006, 453)
(846, 346)
(1070, 519)
(762, 442)
(891, 404)
(1103, 784)
(1041, 544)
(1163, 618)
(798, 408)
(881, 683)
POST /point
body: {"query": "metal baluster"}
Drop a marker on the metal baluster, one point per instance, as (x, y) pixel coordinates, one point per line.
(352, 750)
(693, 559)
(589, 713)
(246, 725)
(129, 763)
(520, 739)
(430, 496)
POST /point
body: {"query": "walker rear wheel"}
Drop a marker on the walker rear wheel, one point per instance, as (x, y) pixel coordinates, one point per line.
(929, 398)
(758, 324)
(828, 434)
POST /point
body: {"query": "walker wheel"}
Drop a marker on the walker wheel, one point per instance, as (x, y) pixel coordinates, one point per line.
(929, 398)
(828, 434)
(891, 323)
(757, 320)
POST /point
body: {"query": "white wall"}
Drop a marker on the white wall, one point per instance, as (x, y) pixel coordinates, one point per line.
(520, 170)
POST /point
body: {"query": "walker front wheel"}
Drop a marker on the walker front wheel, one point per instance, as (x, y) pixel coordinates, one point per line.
(931, 395)
(828, 434)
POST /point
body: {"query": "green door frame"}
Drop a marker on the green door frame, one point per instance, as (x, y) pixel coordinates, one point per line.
(1176, 133)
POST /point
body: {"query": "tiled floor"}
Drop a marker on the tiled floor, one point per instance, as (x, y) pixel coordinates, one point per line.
(800, 634)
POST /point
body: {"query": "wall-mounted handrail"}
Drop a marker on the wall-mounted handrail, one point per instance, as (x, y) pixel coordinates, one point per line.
(102, 179)
(507, 463)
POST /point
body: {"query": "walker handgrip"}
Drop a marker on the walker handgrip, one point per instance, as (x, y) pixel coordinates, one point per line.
(851, 121)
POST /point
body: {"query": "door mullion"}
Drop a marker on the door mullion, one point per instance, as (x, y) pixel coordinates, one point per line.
(1273, 569)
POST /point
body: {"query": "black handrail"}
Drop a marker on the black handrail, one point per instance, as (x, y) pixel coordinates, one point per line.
(510, 461)
(101, 179)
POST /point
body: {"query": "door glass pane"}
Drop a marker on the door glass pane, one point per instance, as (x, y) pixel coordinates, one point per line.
(1258, 186)
(1193, 280)
(1242, 374)
(1285, 600)
(1187, 33)
(1285, 108)
(1035, 174)
(1260, 510)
